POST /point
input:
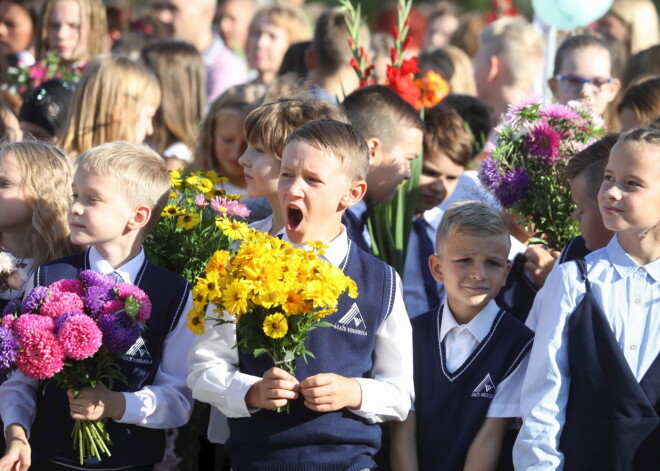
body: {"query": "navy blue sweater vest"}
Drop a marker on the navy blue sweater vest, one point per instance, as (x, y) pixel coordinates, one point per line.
(131, 445)
(451, 407)
(308, 440)
(611, 419)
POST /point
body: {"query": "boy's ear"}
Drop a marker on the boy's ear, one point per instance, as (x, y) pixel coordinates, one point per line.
(435, 265)
(140, 217)
(375, 148)
(353, 195)
(495, 68)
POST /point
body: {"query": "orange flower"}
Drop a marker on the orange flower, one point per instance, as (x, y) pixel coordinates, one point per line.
(433, 90)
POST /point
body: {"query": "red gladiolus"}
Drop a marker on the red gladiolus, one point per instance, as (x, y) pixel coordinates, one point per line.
(355, 64)
(396, 33)
(350, 43)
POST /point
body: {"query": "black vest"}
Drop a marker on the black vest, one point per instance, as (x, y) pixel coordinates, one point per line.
(308, 440)
(611, 419)
(451, 407)
(131, 445)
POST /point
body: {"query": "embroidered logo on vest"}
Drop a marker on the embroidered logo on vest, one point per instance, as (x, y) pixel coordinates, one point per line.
(138, 353)
(352, 322)
(485, 389)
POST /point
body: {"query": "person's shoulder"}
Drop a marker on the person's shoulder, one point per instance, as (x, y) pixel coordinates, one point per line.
(72, 259)
(424, 321)
(514, 325)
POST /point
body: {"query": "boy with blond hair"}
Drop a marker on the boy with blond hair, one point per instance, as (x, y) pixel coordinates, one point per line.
(119, 191)
(267, 129)
(468, 353)
(361, 376)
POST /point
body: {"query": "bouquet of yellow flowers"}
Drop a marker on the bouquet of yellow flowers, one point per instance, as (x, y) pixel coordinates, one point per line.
(275, 293)
(197, 221)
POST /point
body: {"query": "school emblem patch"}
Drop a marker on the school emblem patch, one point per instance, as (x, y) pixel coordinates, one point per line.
(485, 389)
(138, 353)
(352, 322)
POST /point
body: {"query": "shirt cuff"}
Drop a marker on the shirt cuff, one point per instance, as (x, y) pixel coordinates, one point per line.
(133, 413)
(17, 415)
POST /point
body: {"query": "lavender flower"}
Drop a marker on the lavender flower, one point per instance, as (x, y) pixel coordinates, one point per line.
(92, 278)
(33, 300)
(95, 298)
(8, 349)
(489, 174)
(119, 333)
(12, 307)
(59, 320)
(513, 187)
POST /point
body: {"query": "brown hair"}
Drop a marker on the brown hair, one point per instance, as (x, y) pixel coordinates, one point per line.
(341, 140)
(287, 17)
(330, 43)
(92, 18)
(591, 161)
(272, 124)
(180, 70)
(447, 133)
(643, 97)
(239, 99)
(580, 41)
(378, 111)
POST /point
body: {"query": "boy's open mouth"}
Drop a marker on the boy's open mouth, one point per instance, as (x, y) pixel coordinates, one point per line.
(294, 217)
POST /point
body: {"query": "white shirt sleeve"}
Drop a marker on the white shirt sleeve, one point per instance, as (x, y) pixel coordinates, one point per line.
(389, 393)
(213, 374)
(547, 381)
(167, 403)
(506, 402)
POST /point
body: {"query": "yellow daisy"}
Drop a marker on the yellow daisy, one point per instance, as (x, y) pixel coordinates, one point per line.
(175, 179)
(171, 210)
(188, 221)
(275, 326)
(218, 262)
(195, 321)
(232, 228)
(234, 297)
(204, 185)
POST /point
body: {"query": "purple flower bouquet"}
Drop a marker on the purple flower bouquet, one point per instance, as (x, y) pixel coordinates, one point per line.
(524, 170)
(73, 331)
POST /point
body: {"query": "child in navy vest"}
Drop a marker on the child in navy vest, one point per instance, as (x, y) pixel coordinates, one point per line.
(362, 374)
(469, 355)
(119, 190)
(591, 395)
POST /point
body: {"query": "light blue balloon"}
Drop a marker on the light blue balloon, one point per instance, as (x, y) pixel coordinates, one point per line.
(570, 14)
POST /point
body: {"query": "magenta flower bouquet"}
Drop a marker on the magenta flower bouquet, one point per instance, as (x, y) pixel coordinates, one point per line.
(525, 168)
(73, 332)
(26, 77)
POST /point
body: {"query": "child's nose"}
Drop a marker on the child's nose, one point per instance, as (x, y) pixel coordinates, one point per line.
(75, 208)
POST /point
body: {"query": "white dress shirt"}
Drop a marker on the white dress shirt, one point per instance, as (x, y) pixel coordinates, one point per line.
(460, 341)
(629, 295)
(215, 378)
(167, 403)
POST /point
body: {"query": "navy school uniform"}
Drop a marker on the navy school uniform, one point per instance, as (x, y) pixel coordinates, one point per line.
(611, 419)
(308, 440)
(132, 445)
(451, 407)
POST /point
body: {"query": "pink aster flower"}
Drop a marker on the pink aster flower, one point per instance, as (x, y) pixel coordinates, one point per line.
(558, 111)
(200, 201)
(67, 286)
(41, 355)
(80, 337)
(543, 143)
(113, 305)
(224, 206)
(59, 303)
(124, 290)
(27, 323)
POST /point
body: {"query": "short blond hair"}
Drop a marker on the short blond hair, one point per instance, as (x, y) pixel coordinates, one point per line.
(289, 18)
(512, 39)
(140, 172)
(342, 140)
(471, 218)
(92, 18)
(272, 124)
(107, 102)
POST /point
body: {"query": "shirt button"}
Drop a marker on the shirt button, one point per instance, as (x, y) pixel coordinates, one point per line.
(633, 347)
(637, 301)
(459, 351)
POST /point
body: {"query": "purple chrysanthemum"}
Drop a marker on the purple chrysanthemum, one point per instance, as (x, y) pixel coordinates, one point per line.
(95, 298)
(543, 143)
(119, 332)
(8, 349)
(59, 320)
(490, 174)
(92, 278)
(513, 187)
(12, 307)
(33, 300)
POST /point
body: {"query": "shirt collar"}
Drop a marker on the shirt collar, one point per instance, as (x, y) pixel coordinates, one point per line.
(335, 252)
(128, 270)
(625, 265)
(478, 327)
